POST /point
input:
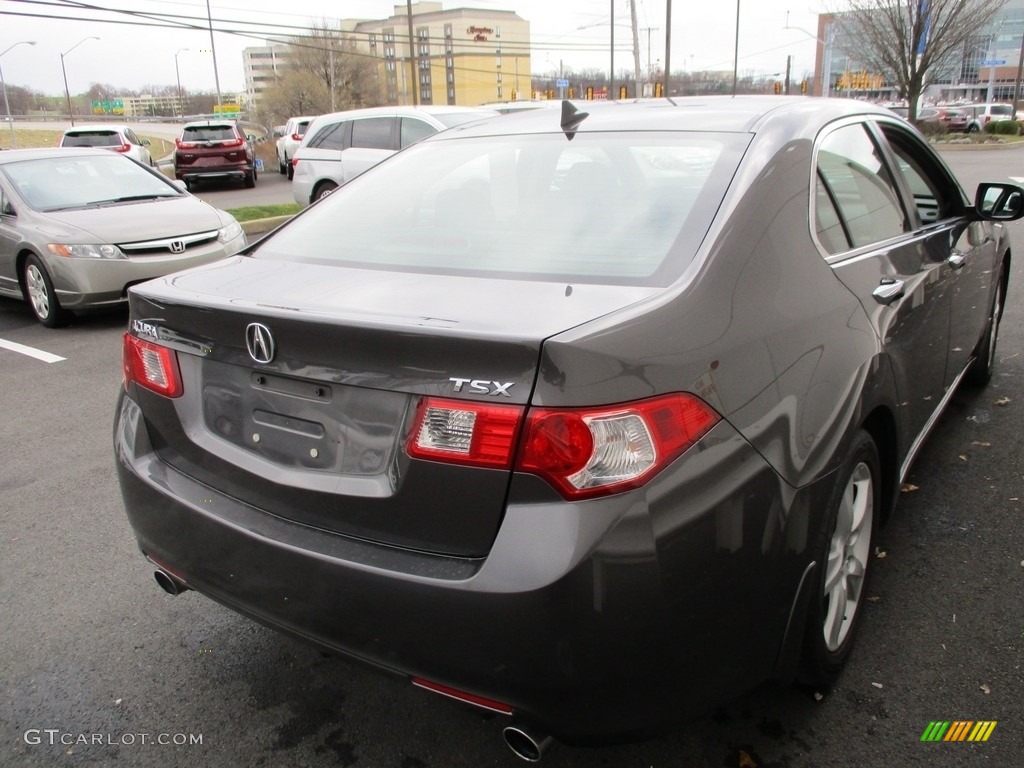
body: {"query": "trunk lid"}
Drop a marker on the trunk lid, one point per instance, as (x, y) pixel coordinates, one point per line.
(317, 434)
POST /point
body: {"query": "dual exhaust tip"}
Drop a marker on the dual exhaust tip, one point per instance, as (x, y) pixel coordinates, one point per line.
(525, 742)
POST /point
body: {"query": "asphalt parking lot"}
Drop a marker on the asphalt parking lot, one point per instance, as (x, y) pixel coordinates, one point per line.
(102, 668)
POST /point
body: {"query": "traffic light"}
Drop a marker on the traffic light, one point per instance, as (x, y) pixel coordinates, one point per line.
(515, 95)
(778, 87)
(623, 92)
(572, 92)
(590, 93)
(659, 90)
(803, 86)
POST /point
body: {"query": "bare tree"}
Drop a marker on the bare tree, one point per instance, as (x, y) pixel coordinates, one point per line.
(348, 74)
(910, 40)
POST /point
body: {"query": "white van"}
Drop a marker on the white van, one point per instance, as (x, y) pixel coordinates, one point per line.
(339, 146)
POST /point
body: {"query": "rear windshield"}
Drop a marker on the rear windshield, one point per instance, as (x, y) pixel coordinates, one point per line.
(92, 139)
(208, 133)
(607, 208)
(1001, 109)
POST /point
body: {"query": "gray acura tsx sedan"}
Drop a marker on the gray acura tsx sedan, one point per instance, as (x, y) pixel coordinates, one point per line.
(584, 417)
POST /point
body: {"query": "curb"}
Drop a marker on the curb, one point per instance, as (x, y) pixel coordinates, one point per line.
(262, 226)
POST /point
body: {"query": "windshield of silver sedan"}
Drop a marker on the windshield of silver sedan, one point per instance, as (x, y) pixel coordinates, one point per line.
(60, 184)
(622, 208)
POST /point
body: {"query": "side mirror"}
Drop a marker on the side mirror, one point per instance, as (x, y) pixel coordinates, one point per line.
(146, 142)
(999, 202)
(180, 184)
(7, 209)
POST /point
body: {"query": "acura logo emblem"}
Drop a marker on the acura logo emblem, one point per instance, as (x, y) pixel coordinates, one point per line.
(260, 343)
(177, 246)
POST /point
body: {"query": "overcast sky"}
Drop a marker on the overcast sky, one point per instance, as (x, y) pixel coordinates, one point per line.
(703, 37)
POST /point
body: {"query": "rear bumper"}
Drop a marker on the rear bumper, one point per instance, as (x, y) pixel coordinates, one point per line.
(592, 620)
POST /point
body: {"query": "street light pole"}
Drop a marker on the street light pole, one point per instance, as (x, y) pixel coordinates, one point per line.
(7, 104)
(177, 73)
(67, 91)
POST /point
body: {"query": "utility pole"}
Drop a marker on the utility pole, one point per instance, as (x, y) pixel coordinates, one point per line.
(213, 51)
(412, 56)
(648, 30)
(636, 50)
(789, 66)
(668, 45)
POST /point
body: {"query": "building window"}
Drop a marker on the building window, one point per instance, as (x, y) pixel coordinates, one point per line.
(447, 30)
(499, 93)
(497, 31)
(449, 62)
(497, 62)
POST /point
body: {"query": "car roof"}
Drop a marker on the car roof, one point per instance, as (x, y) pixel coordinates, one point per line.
(96, 127)
(404, 110)
(17, 155)
(800, 115)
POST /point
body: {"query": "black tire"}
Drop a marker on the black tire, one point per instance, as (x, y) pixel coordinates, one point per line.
(290, 169)
(845, 548)
(282, 168)
(984, 364)
(189, 186)
(973, 128)
(41, 296)
(323, 189)
(250, 179)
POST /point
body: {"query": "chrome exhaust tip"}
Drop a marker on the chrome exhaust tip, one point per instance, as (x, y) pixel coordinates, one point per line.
(168, 583)
(527, 743)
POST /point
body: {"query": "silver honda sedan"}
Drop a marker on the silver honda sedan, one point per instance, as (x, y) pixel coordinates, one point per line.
(78, 226)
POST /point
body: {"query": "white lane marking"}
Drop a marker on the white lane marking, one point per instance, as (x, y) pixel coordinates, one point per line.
(38, 354)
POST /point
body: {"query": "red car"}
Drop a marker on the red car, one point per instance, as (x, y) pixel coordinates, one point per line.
(214, 149)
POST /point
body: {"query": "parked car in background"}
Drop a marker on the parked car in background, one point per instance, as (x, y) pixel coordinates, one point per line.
(953, 119)
(584, 419)
(339, 146)
(980, 115)
(77, 227)
(117, 138)
(210, 150)
(289, 140)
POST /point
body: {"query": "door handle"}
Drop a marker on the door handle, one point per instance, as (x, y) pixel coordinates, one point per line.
(957, 259)
(889, 290)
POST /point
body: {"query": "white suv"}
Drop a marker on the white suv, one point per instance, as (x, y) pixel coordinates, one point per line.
(118, 138)
(980, 115)
(289, 140)
(339, 146)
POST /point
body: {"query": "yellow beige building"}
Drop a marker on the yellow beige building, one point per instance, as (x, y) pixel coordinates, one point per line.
(460, 56)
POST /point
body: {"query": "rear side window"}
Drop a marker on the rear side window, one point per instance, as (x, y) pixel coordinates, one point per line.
(92, 139)
(414, 130)
(1001, 110)
(330, 136)
(856, 203)
(372, 133)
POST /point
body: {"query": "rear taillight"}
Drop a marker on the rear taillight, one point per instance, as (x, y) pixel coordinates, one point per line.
(597, 451)
(233, 144)
(151, 366)
(464, 432)
(295, 162)
(123, 148)
(296, 137)
(582, 452)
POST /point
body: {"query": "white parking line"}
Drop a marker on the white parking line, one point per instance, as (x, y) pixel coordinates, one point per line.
(38, 354)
